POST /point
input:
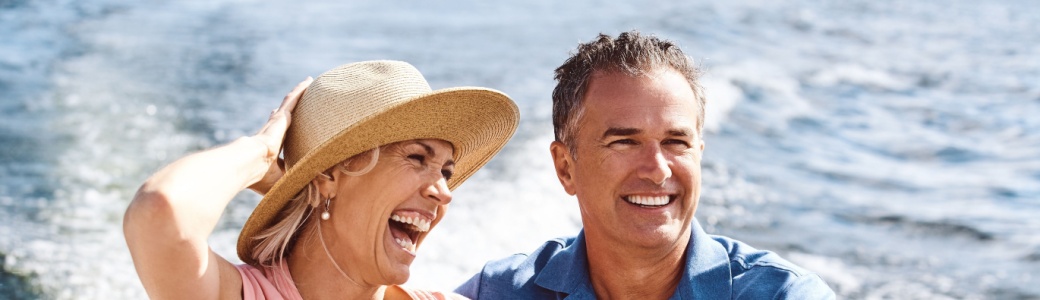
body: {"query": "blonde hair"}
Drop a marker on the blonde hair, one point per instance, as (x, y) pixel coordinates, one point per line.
(274, 242)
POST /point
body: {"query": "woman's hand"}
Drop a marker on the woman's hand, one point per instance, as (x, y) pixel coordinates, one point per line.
(272, 135)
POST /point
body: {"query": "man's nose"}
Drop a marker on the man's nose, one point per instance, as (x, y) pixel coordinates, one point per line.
(654, 167)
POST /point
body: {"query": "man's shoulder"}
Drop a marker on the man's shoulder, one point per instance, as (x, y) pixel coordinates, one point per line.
(758, 273)
(515, 275)
(524, 265)
(745, 258)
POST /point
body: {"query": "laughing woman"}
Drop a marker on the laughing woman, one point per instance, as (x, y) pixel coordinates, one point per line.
(371, 155)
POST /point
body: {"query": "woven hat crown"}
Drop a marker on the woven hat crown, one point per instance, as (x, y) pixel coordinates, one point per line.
(345, 96)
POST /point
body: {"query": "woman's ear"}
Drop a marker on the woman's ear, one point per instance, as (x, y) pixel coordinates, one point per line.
(326, 186)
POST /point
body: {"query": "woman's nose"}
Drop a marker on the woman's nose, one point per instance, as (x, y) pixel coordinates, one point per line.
(438, 191)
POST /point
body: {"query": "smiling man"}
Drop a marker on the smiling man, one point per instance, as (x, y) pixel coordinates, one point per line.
(628, 115)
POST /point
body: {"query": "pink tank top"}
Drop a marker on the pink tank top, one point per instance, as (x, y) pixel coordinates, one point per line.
(275, 283)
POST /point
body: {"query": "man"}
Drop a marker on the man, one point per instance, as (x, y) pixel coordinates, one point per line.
(628, 115)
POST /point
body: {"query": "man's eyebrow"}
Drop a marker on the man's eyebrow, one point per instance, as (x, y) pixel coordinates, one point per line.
(432, 153)
(615, 131)
(620, 131)
(680, 132)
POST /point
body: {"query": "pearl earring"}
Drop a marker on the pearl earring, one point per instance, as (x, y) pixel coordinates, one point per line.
(325, 214)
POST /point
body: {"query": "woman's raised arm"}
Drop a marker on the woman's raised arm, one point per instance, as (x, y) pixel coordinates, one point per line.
(173, 213)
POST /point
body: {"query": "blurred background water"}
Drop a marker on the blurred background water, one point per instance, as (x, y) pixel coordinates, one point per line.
(891, 146)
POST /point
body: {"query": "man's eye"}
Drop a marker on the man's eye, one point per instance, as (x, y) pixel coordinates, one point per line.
(623, 142)
(677, 142)
(418, 157)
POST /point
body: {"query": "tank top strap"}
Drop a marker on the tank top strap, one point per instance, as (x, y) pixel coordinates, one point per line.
(271, 283)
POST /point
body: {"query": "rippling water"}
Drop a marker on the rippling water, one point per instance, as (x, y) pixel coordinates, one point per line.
(891, 147)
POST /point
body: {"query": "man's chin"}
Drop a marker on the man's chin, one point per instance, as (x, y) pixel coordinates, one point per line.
(656, 237)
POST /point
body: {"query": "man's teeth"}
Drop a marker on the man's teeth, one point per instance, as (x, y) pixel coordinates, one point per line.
(648, 200)
(423, 225)
(406, 244)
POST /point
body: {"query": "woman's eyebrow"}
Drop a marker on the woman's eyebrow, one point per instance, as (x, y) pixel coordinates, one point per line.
(429, 150)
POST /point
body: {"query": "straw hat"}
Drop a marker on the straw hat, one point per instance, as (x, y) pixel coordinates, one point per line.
(360, 106)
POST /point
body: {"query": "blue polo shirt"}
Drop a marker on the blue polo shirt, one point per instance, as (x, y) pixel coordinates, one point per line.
(716, 268)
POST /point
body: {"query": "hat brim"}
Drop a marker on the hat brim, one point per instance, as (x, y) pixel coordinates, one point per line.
(476, 121)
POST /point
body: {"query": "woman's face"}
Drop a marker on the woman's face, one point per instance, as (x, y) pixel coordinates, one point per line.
(380, 217)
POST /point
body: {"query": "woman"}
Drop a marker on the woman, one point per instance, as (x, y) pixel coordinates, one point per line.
(370, 159)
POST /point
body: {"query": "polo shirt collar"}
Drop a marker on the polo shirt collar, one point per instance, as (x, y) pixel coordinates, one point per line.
(568, 271)
(707, 274)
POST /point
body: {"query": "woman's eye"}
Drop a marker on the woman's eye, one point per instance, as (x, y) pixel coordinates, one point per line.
(418, 157)
(447, 174)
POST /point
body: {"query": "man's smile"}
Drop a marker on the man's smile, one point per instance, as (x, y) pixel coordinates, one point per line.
(649, 201)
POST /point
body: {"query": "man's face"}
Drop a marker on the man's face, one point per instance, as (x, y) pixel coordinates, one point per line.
(636, 168)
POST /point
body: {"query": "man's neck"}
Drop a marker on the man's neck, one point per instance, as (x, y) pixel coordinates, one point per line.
(626, 272)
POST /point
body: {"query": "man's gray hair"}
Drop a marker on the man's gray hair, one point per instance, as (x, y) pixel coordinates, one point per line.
(630, 53)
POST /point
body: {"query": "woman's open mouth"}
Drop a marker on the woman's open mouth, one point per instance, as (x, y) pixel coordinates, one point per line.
(406, 226)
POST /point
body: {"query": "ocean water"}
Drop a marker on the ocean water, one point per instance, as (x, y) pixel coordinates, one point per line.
(890, 146)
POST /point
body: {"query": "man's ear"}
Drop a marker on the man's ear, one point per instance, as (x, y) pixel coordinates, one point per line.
(564, 164)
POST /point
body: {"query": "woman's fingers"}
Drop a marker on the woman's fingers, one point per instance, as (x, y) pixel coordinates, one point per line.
(281, 117)
(272, 135)
(274, 131)
(289, 103)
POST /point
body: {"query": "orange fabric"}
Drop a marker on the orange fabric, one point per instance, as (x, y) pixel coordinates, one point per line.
(428, 295)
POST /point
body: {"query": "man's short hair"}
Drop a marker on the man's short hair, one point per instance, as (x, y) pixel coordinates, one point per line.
(631, 54)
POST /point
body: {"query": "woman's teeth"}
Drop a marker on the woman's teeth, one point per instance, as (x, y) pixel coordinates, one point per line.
(647, 200)
(406, 244)
(421, 225)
